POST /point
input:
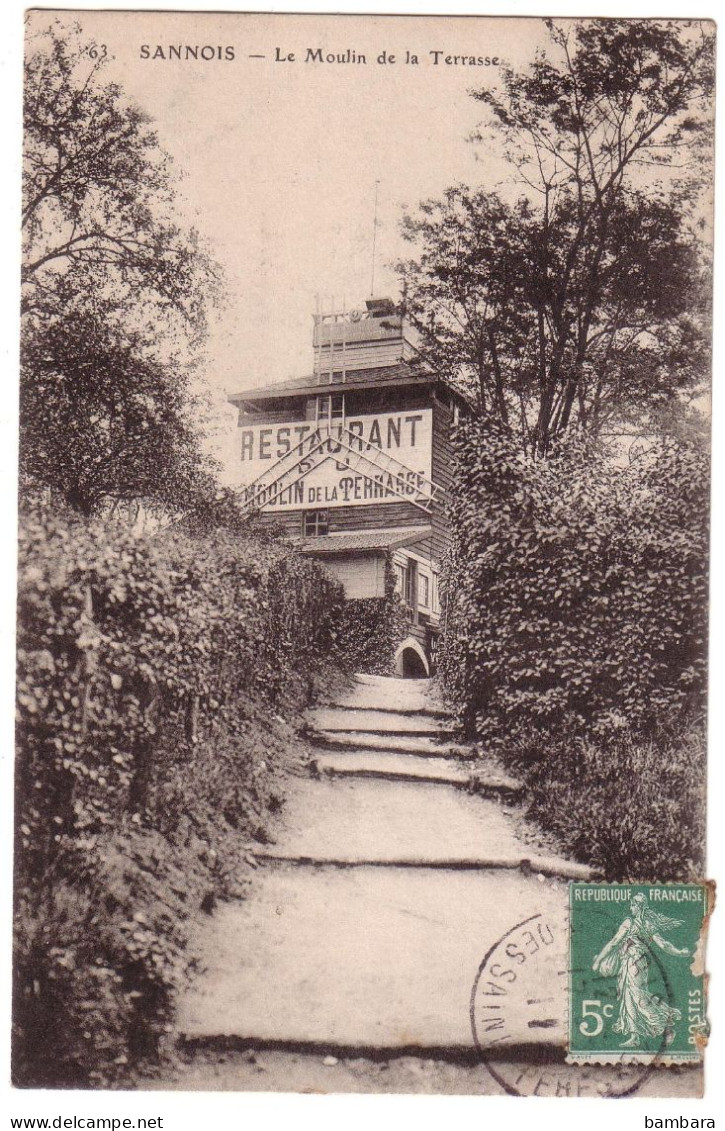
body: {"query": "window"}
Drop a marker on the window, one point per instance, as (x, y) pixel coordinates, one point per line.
(423, 590)
(400, 572)
(314, 523)
(330, 406)
(411, 584)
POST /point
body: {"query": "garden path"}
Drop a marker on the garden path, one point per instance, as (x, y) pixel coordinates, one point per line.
(387, 886)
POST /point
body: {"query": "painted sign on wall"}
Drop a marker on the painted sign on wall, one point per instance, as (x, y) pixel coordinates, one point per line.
(382, 458)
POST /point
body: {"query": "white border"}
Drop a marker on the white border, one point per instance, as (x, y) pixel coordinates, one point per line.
(184, 1111)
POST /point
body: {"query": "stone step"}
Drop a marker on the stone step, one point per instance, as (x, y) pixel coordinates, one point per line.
(375, 721)
(423, 745)
(383, 959)
(413, 767)
(429, 709)
(371, 819)
(527, 865)
(422, 685)
(388, 694)
(403, 767)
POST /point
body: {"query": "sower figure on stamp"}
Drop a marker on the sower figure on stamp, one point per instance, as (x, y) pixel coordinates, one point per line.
(641, 1013)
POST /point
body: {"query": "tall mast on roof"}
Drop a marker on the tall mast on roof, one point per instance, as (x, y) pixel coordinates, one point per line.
(375, 232)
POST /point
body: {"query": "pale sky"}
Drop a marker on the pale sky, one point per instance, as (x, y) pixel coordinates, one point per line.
(281, 159)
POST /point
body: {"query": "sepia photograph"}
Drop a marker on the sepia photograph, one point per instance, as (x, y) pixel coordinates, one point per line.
(363, 559)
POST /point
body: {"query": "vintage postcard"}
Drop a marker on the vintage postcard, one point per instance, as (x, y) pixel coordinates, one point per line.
(363, 567)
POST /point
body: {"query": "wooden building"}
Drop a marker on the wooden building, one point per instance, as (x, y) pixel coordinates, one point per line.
(353, 461)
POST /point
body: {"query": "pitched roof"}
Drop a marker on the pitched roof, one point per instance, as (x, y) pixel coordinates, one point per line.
(402, 373)
(363, 540)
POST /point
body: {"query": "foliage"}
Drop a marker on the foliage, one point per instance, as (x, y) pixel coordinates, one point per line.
(98, 192)
(583, 301)
(576, 588)
(576, 634)
(634, 807)
(372, 628)
(96, 966)
(115, 294)
(102, 421)
(154, 676)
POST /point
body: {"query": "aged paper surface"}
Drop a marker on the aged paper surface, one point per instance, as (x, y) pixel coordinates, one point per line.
(369, 266)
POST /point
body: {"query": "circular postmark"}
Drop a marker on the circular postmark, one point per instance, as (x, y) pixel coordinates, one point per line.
(519, 1013)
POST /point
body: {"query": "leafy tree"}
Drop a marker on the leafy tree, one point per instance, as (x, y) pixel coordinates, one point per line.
(98, 191)
(114, 296)
(581, 300)
(103, 420)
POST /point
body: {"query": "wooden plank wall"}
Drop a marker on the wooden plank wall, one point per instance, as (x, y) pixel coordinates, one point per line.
(363, 576)
(377, 516)
(362, 355)
(442, 474)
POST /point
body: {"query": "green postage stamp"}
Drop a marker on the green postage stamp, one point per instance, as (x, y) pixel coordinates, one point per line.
(637, 972)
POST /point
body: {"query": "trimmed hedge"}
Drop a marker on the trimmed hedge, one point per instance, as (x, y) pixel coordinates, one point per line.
(576, 634)
(576, 590)
(154, 679)
(633, 807)
(372, 628)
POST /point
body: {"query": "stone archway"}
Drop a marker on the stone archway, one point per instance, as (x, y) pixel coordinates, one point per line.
(411, 661)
